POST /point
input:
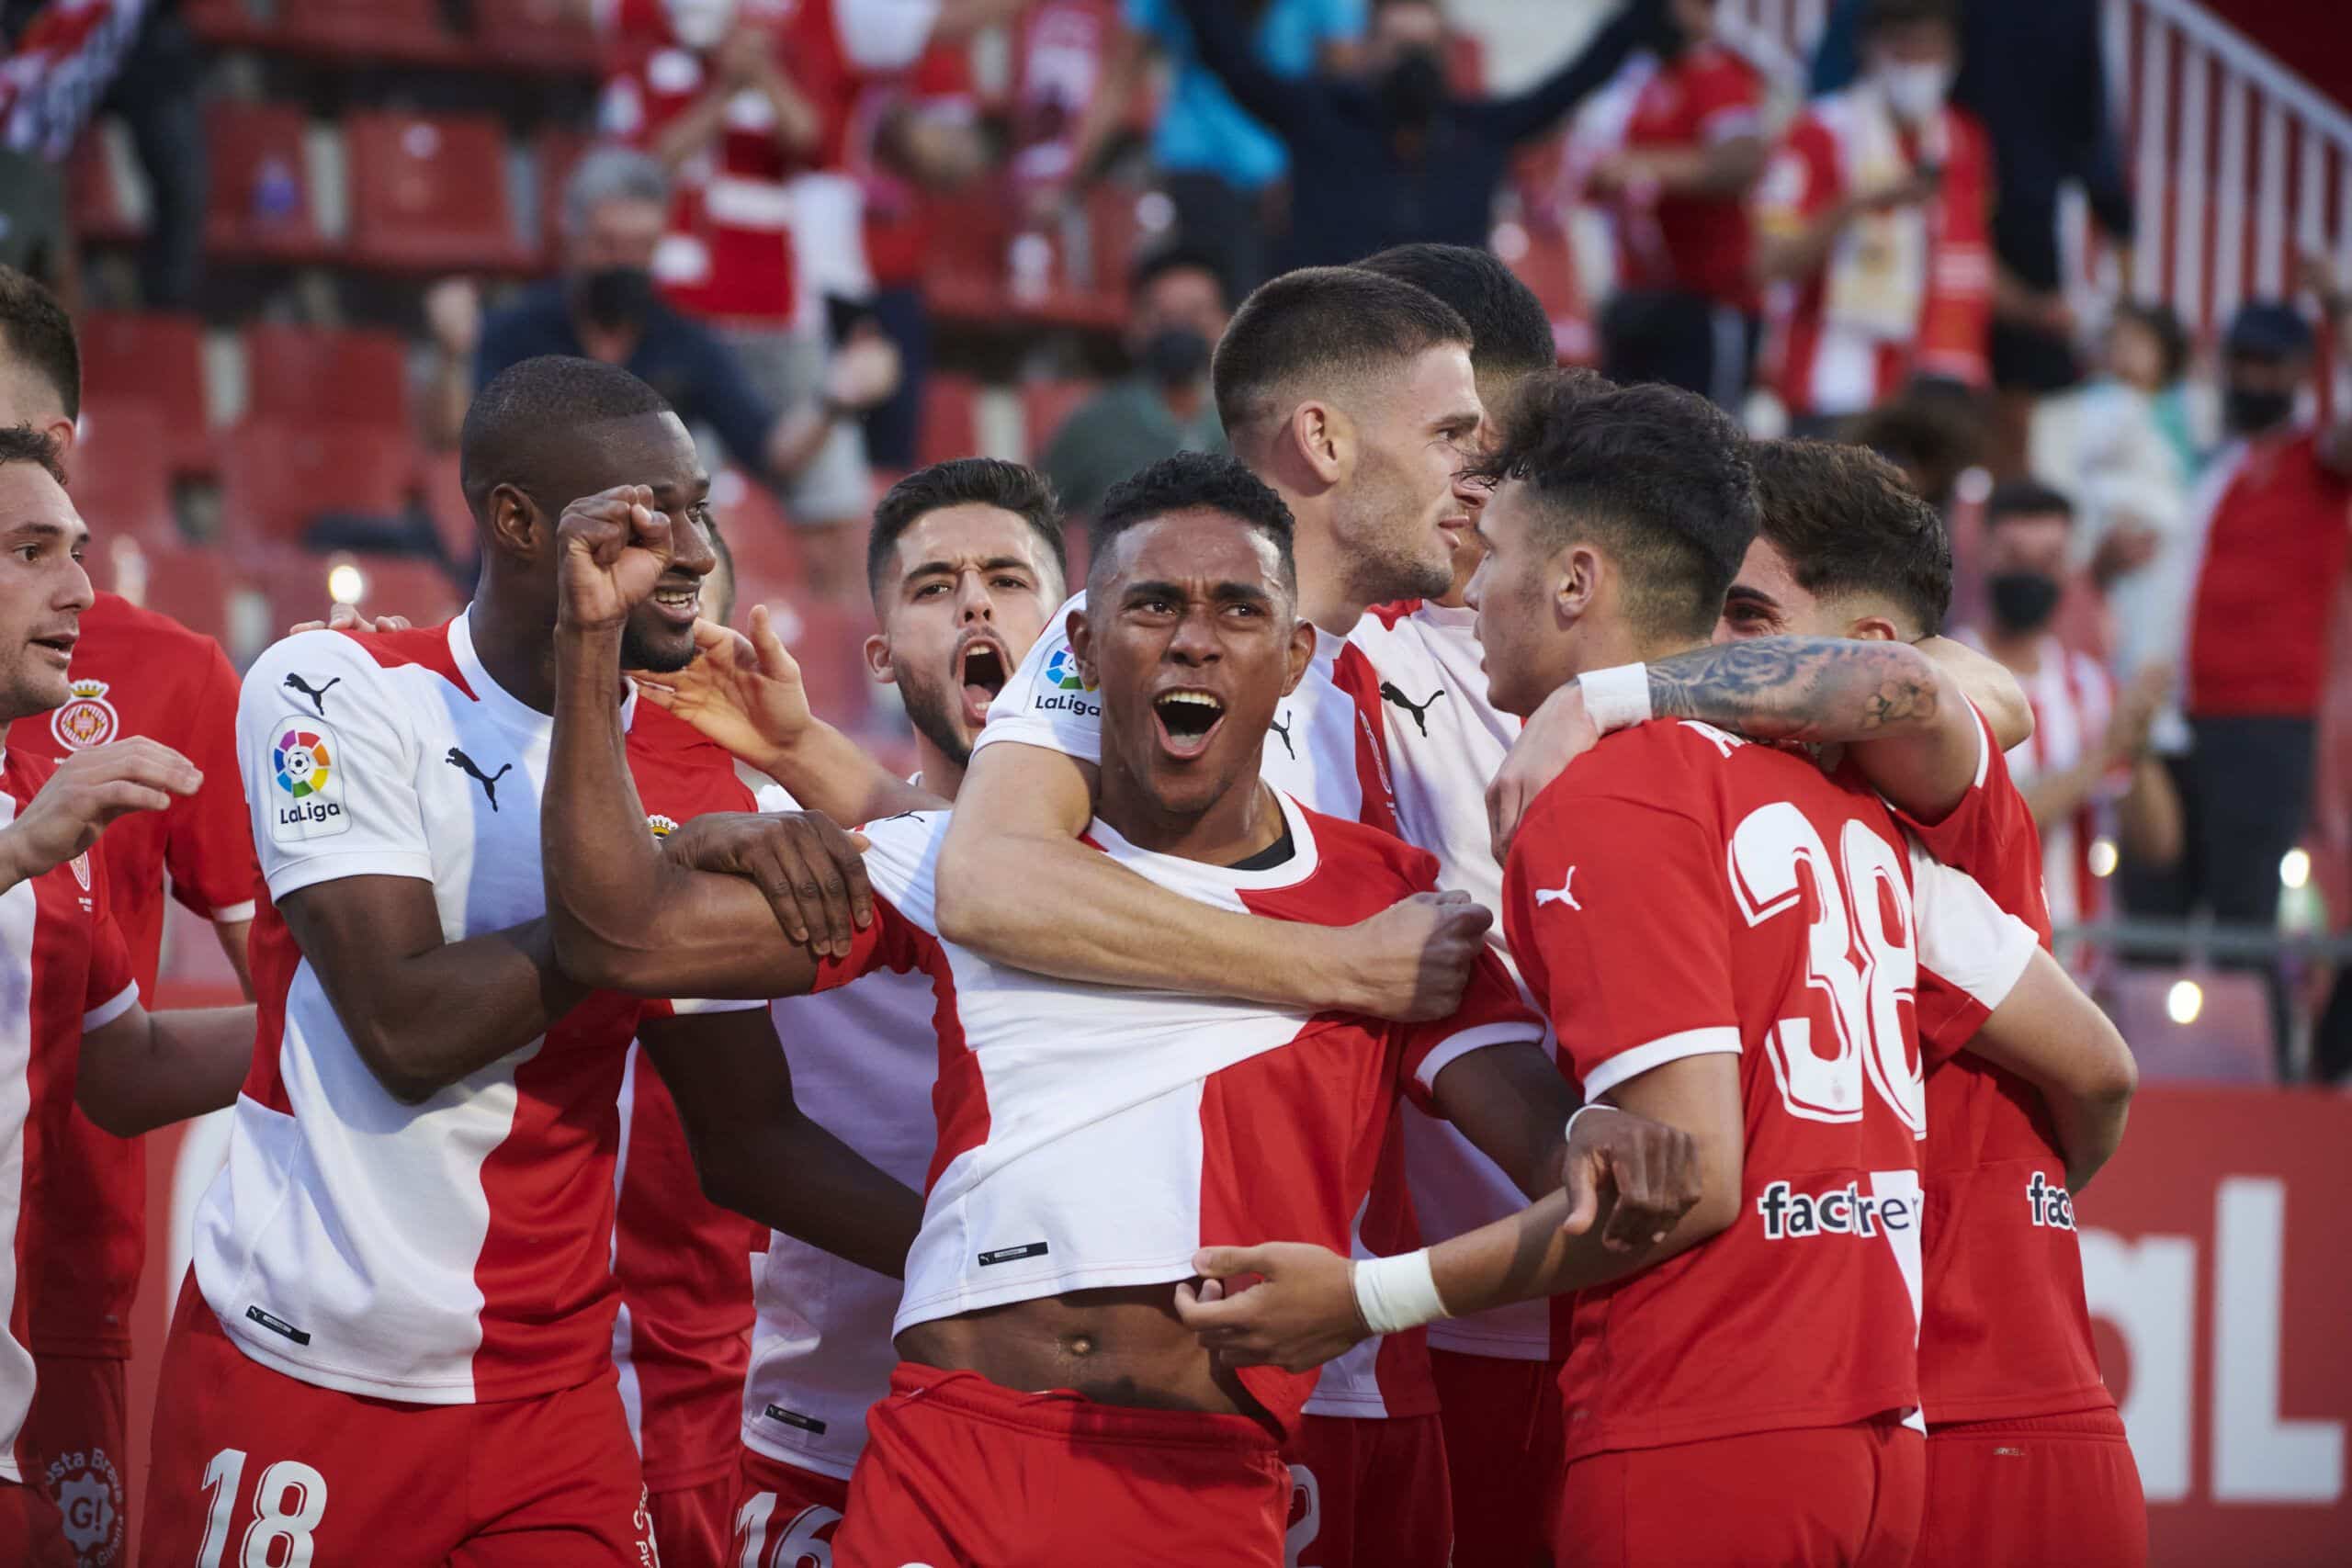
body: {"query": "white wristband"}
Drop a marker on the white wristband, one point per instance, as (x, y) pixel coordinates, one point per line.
(1617, 697)
(1571, 1130)
(1397, 1294)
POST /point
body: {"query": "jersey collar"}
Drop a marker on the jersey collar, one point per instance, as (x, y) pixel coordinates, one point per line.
(501, 704)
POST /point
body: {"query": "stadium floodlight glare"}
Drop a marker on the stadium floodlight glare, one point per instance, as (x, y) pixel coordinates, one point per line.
(2295, 868)
(2184, 1001)
(2102, 857)
(346, 584)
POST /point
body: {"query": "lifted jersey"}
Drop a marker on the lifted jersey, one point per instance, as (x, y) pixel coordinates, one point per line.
(1679, 892)
(456, 1250)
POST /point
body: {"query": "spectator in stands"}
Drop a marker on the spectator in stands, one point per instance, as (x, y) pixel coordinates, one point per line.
(156, 97)
(2121, 447)
(1163, 407)
(61, 57)
(2088, 770)
(1216, 164)
(2271, 511)
(1875, 210)
(1393, 154)
(605, 306)
(1688, 152)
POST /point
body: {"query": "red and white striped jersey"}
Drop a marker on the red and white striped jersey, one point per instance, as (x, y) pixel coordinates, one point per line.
(1327, 748)
(459, 1249)
(64, 970)
(1445, 740)
(1680, 892)
(864, 1059)
(1093, 1137)
(2072, 697)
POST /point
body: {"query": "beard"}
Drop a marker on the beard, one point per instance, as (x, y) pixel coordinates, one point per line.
(1389, 554)
(657, 651)
(933, 707)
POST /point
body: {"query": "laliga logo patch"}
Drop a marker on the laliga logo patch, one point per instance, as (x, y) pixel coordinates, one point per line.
(88, 719)
(1067, 687)
(663, 826)
(1063, 670)
(309, 784)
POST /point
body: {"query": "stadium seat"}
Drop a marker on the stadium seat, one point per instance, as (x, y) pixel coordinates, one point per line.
(95, 199)
(557, 150)
(1542, 258)
(965, 279)
(950, 418)
(187, 582)
(122, 481)
(225, 24)
(401, 585)
(261, 207)
(155, 358)
(397, 31)
(428, 193)
(279, 475)
(303, 373)
(768, 565)
(536, 34)
(829, 643)
(1045, 404)
(444, 499)
(2227, 1042)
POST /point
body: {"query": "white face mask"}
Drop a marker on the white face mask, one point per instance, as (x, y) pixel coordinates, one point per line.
(1914, 91)
(700, 24)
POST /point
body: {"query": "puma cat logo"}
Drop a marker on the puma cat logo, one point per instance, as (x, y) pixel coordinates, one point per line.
(489, 781)
(1419, 710)
(318, 695)
(1281, 726)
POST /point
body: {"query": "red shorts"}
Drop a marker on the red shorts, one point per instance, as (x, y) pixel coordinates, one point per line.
(72, 1452)
(1505, 1444)
(1848, 1497)
(691, 1523)
(783, 1514)
(2048, 1488)
(1369, 1494)
(959, 1469)
(30, 1531)
(302, 1474)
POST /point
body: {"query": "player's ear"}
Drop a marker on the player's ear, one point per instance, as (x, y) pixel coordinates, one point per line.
(1326, 441)
(1081, 644)
(877, 661)
(1873, 628)
(1301, 654)
(513, 524)
(1575, 583)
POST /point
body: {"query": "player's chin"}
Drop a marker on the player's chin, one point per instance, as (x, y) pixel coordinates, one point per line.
(39, 688)
(657, 645)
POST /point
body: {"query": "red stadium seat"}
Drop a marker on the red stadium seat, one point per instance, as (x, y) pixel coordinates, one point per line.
(260, 207)
(829, 643)
(965, 279)
(401, 585)
(279, 475)
(444, 499)
(303, 373)
(155, 358)
(559, 152)
(226, 24)
(122, 481)
(1045, 404)
(187, 582)
(950, 418)
(95, 199)
(2227, 1042)
(768, 565)
(429, 193)
(536, 34)
(402, 31)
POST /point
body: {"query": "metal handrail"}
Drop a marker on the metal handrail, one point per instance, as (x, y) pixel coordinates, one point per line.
(2195, 941)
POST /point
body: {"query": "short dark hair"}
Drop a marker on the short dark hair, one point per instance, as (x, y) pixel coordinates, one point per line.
(23, 444)
(1660, 477)
(2163, 324)
(1929, 429)
(1847, 522)
(528, 406)
(963, 481)
(1151, 268)
(40, 334)
(1511, 332)
(1877, 15)
(2025, 498)
(1323, 321)
(1189, 480)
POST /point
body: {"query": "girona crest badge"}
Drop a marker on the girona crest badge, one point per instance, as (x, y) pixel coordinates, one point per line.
(81, 865)
(88, 719)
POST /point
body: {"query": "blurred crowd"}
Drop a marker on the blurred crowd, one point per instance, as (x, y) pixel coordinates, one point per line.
(845, 236)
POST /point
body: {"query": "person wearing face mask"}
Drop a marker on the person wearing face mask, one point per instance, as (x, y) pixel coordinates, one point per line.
(2088, 770)
(1876, 212)
(1396, 154)
(1164, 406)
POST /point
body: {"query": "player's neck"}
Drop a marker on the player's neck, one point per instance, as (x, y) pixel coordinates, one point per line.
(1323, 594)
(1244, 821)
(1606, 647)
(2019, 652)
(513, 635)
(941, 774)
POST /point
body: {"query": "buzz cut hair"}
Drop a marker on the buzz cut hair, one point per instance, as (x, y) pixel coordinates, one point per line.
(39, 336)
(1196, 481)
(1847, 522)
(1659, 478)
(1313, 331)
(516, 426)
(1511, 332)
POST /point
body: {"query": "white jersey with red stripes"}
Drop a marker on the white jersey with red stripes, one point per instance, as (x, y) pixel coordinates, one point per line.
(458, 1249)
(1093, 1137)
(1326, 747)
(1445, 742)
(864, 1059)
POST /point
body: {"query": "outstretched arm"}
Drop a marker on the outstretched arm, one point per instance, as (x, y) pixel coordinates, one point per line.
(149, 1069)
(624, 915)
(1224, 48)
(1541, 107)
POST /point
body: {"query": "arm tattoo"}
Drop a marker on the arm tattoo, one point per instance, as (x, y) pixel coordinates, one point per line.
(1786, 688)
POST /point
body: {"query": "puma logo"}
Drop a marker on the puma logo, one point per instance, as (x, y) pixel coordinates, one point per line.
(318, 695)
(1419, 710)
(1560, 895)
(489, 781)
(1281, 726)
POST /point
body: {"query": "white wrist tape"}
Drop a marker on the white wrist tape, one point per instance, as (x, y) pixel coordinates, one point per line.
(1397, 1294)
(1617, 697)
(1580, 1111)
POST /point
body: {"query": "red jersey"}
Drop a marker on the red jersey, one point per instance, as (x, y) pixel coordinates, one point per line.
(2274, 557)
(1901, 293)
(135, 674)
(1697, 243)
(2004, 1330)
(1674, 894)
(64, 970)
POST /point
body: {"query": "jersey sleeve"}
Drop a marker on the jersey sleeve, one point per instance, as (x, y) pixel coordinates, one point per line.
(1990, 830)
(1799, 181)
(112, 985)
(329, 799)
(1971, 955)
(1049, 702)
(1727, 101)
(1492, 1013)
(1624, 906)
(209, 839)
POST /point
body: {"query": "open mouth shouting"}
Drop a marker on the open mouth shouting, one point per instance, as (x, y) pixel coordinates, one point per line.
(1188, 719)
(981, 669)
